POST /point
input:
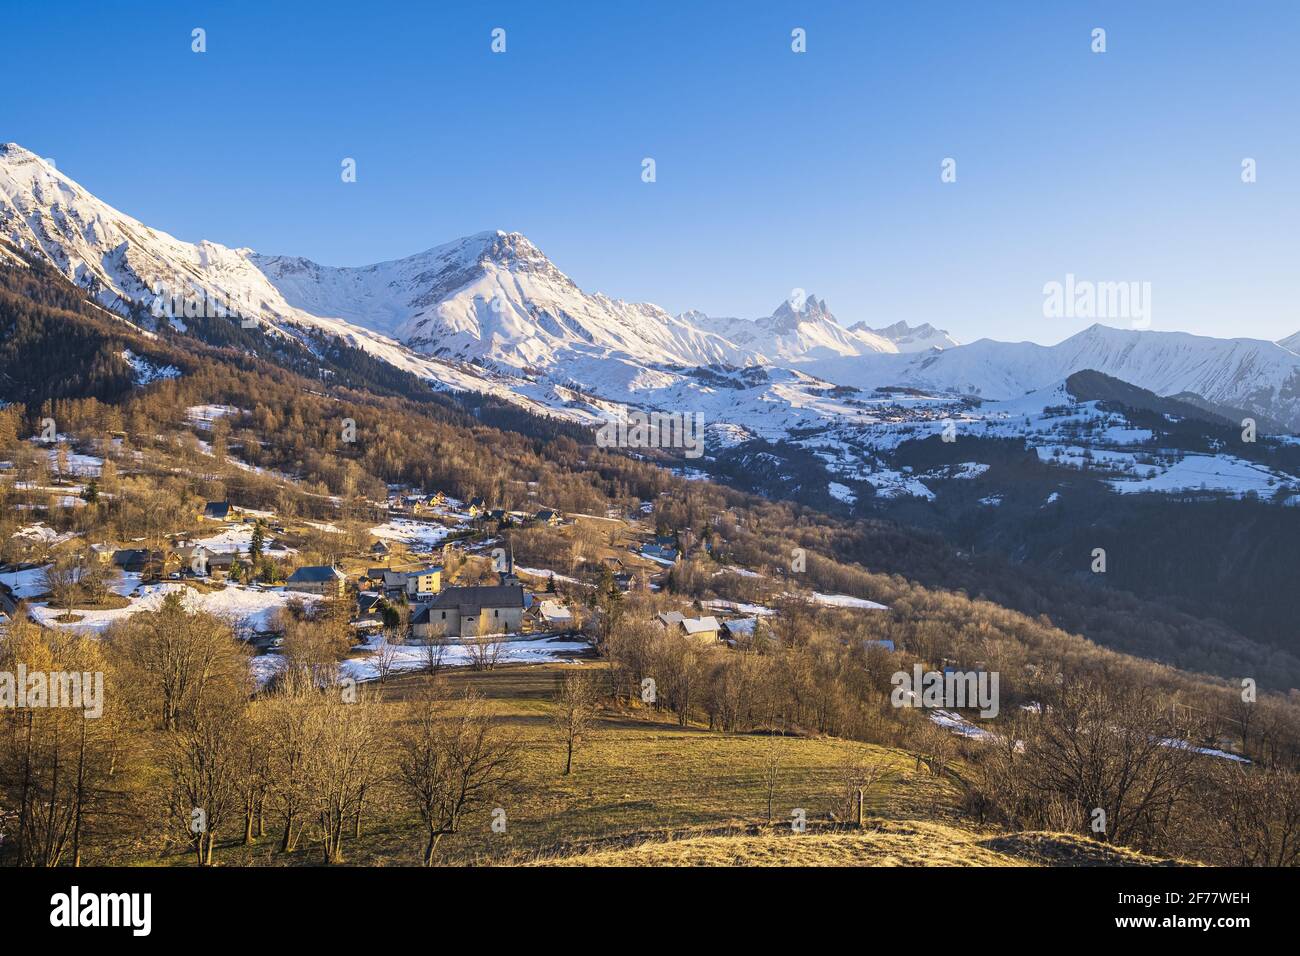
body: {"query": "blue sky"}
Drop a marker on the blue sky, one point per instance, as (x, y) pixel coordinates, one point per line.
(775, 170)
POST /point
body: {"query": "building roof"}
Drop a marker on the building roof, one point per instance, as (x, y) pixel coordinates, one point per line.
(554, 611)
(315, 574)
(497, 596)
(691, 625)
(217, 509)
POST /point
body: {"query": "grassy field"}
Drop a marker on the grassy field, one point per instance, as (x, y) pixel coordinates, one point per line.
(645, 791)
(640, 777)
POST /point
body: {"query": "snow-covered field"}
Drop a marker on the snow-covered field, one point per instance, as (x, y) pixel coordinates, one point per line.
(845, 600)
(1208, 473)
(416, 535)
(412, 657)
(239, 604)
(236, 539)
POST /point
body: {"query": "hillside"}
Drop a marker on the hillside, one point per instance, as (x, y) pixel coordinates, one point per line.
(886, 843)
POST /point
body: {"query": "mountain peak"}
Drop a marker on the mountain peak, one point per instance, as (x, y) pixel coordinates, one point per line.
(909, 338)
(14, 151)
(791, 312)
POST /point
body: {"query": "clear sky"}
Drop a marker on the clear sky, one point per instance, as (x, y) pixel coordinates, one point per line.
(775, 170)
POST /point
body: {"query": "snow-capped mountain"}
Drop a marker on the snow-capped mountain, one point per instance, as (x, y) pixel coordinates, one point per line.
(491, 313)
(492, 296)
(798, 330)
(907, 338)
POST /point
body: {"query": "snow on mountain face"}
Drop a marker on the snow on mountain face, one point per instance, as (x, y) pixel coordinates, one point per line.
(796, 332)
(493, 296)
(907, 338)
(1251, 374)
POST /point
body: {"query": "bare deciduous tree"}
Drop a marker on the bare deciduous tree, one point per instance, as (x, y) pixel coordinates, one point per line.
(577, 698)
(451, 760)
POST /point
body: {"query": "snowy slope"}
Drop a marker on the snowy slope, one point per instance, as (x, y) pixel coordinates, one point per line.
(907, 338)
(493, 296)
(796, 332)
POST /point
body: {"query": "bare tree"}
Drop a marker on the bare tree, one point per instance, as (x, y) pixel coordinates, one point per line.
(577, 698)
(384, 657)
(62, 580)
(434, 653)
(772, 759)
(485, 651)
(1256, 814)
(451, 762)
(202, 763)
(858, 775)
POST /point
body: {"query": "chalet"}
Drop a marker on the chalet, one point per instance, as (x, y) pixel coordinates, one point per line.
(369, 609)
(317, 579)
(222, 560)
(379, 549)
(706, 630)
(471, 612)
(552, 614)
(194, 559)
(661, 553)
(217, 510)
(476, 506)
(549, 516)
(139, 560)
(393, 581)
(103, 553)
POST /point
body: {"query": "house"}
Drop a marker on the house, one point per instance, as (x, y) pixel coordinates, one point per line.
(436, 499)
(369, 609)
(379, 549)
(424, 581)
(476, 506)
(139, 560)
(222, 560)
(217, 510)
(317, 579)
(663, 554)
(194, 559)
(471, 612)
(552, 614)
(103, 553)
(393, 581)
(703, 629)
(549, 516)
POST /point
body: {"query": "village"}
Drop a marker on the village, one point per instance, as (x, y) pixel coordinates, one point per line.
(425, 580)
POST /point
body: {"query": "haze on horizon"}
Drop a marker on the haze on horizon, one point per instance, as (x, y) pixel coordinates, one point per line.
(775, 170)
